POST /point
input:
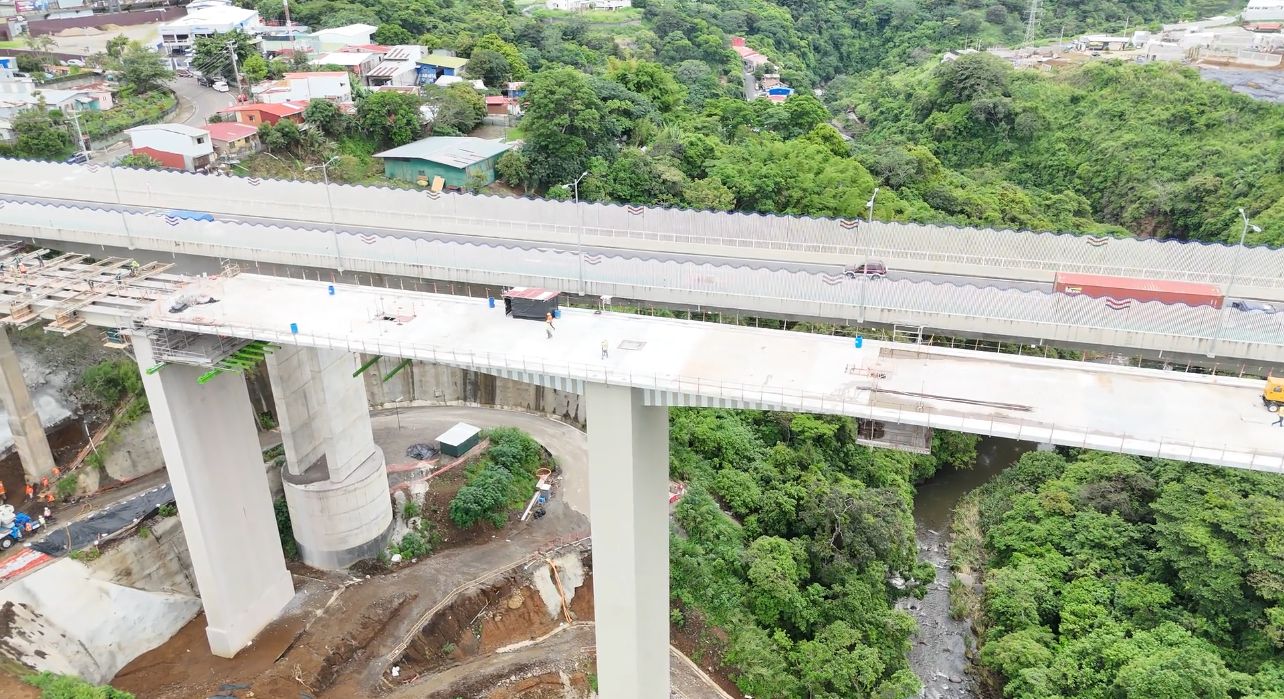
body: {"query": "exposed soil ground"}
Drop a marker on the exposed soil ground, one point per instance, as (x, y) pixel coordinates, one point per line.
(441, 490)
(485, 620)
(704, 645)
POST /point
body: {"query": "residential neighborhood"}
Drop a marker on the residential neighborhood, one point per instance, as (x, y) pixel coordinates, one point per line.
(234, 79)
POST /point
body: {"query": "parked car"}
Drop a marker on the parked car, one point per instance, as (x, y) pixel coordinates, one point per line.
(204, 81)
(872, 268)
(75, 62)
(78, 158)
(1252, 306)
(184, 73)
(221, 86)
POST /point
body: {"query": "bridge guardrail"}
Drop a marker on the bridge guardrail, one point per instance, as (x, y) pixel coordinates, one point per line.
(1001, 312)
(946, 249)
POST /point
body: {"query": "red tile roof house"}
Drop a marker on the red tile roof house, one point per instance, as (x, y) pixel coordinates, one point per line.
(176, 146)
(498, 105)
(257, 113)
(233, 139)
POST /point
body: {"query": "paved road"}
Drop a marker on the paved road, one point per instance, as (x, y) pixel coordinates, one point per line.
(395, 429)
(504, 246)
(195, 105)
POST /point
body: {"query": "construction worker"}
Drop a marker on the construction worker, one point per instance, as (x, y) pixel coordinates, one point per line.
(31, 492)
(56, 472)
(3, 496)
(49, 497)
(604, 348)
(44, 483)
(133, 267)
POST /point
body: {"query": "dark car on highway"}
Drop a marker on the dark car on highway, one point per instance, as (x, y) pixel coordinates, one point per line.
(872, 268)
(1252, 306)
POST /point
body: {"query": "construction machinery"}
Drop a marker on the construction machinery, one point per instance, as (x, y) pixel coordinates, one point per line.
(14, 526)
(1273, 393)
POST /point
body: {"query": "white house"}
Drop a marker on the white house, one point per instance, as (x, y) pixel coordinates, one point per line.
(330, 85)
(176, 146)
(359, 62)
(324, 40)
(178, 36)
(1169, 51)
(1259, 10)
(398, 69)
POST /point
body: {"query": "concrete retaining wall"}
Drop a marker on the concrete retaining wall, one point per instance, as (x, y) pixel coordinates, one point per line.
(40, 27)
(424, 383)
(64, 618)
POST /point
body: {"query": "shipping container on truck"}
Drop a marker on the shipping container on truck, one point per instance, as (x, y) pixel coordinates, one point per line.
(1164, 291)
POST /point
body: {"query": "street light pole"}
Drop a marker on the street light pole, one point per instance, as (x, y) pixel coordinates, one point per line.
(1230, 281)
(325, 178)
(579, 236)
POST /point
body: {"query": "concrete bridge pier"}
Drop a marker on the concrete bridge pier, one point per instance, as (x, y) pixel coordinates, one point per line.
(335, 478)
(628, 446)
(24, 422)
(210, 443)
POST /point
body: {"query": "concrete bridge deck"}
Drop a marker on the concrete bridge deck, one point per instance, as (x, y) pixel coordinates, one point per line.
(1214, 420)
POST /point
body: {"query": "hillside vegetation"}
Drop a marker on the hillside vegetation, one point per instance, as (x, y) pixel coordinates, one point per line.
(1122, 578)
(1150, 147)
(787, 540)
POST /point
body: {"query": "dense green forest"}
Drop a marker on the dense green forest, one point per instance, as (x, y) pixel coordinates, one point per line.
(1115, 577)
(1153, 148)
(787, 539)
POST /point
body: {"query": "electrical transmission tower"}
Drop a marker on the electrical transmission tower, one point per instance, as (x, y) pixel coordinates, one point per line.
(1032, 22)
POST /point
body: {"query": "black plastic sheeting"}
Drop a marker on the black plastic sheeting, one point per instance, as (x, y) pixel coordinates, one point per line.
(420, 452)
(114, 518)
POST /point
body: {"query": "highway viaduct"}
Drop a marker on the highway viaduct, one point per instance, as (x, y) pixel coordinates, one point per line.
(312, 333)
(757, 265)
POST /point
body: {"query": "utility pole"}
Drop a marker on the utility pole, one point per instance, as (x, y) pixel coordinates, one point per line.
(1032, 22)
(236, 70)
(80, 137)
(289, 28)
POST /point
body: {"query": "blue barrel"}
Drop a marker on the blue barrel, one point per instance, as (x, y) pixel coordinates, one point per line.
(859, 341)
(331, 289)
(490, 301)
(294, 328)
(557, 313)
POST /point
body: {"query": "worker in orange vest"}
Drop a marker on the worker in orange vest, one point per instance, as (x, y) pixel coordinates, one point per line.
(49, 497)
(4, 497)
(31, 492)
(57, 471)
(44, 483)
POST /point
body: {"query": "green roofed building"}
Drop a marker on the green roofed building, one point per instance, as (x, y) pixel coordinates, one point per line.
(456, 159)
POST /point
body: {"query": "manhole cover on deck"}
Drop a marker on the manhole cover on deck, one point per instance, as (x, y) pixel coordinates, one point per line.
(632, 345)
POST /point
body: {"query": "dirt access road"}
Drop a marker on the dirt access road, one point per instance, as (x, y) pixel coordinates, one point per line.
(337, 633)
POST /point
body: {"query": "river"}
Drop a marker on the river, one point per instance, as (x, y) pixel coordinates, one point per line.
(939, 651)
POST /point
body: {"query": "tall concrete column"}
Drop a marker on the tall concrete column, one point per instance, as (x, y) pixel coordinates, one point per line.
(335, 479)
(24, 422)
(210, 443)
(628, 490)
